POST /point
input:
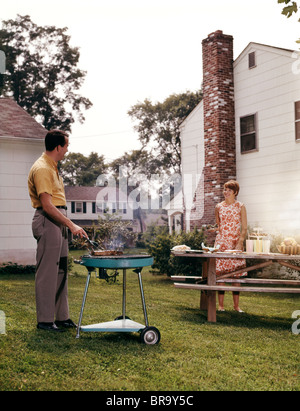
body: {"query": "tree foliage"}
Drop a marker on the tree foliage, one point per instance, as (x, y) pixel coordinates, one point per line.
(158, 126)
(113, 233)
(79, 170)
(41, 72)
(290, 8)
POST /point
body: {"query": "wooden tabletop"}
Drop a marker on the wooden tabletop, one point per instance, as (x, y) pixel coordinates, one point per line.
(256, 256)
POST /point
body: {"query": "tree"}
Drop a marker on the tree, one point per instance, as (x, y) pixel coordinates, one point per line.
(112, 233)
(78, 170)
(41, 72)
(158, 126)
(290, 9)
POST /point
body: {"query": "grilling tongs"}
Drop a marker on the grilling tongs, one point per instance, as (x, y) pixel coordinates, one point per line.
(92, 243)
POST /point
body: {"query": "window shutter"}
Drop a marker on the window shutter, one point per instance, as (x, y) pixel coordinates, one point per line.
(94, 208)
(73, 207)
(84, 207)
(252, 62)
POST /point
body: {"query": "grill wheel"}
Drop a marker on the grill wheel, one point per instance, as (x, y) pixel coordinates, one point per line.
(150, 336)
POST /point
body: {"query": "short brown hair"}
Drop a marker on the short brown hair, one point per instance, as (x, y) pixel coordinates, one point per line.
(55, 138)
(233, 185)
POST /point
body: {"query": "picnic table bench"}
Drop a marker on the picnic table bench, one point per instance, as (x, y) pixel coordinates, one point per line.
(208, 284)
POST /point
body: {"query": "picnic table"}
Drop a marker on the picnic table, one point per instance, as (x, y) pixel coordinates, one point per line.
(208, 284)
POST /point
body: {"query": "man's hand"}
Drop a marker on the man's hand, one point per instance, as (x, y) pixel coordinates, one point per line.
(76, 230)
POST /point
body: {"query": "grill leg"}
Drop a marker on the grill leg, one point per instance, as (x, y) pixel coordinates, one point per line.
(83, 302)
(143, 297)
(124, 294)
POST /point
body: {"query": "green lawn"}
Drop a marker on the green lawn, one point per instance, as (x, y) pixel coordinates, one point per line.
(252, 351)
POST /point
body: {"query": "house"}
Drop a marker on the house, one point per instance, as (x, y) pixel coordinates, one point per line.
(247, 127)
(21, 143)
(87, 204)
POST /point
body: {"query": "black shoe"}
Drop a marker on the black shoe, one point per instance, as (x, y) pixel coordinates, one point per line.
(48, 327)
(66, 324)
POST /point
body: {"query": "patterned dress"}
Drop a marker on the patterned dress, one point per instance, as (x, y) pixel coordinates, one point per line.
(228, 236)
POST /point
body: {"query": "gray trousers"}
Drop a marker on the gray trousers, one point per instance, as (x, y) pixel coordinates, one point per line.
(51, 268)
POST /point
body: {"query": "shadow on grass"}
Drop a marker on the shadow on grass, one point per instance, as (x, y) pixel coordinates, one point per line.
(99, 342)
(235, 319)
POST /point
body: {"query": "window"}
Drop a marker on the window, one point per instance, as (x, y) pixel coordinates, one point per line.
(107, 207)
(102, 207)
(78, 207)
(252, 60)
(297, 120)
(248, 134)
(124, 208)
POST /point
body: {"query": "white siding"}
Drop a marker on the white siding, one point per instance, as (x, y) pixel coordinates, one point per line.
(270, 177)
(192, 146)
(107, 196)
(16, 241)
(89, 215)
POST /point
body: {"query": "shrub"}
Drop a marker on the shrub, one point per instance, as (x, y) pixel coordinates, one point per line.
(14, 268)
(160, 248)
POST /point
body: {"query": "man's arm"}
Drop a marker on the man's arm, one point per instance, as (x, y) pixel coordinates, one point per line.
(57, 216)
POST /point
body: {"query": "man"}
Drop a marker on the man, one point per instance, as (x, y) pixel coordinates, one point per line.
(49, 227)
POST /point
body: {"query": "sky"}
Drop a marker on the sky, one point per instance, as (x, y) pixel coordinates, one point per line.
(138, 49)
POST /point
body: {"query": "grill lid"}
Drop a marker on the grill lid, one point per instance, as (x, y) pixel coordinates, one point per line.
(118, 261)
(116, 257)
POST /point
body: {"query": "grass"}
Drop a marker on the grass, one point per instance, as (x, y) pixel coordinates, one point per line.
(252, 351)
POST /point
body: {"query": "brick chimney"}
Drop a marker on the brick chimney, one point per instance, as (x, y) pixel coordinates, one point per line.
(219, 119)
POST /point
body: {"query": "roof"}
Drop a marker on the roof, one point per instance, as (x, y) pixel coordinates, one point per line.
(278, 50)
(81, 193)
(16, 122)
(84, 193)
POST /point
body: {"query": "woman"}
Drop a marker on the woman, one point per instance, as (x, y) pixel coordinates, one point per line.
(231, 218)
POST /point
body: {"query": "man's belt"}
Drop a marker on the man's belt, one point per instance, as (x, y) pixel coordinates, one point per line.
(63, 207)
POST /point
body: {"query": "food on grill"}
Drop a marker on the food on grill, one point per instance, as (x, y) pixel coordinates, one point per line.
(106, 252)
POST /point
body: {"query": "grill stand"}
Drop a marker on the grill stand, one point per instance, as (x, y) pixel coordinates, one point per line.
(149, 335)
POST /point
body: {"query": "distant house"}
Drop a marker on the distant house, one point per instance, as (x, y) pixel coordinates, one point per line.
(87, 204)
(247, 127)
(21, 143)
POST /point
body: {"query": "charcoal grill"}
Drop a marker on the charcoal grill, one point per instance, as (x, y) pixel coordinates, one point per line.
(148, 335)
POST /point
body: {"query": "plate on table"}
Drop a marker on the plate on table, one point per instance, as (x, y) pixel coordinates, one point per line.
(195, 251)
(181, 249)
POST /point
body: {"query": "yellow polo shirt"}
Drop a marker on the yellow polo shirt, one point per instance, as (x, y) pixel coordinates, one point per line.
(44, 178)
